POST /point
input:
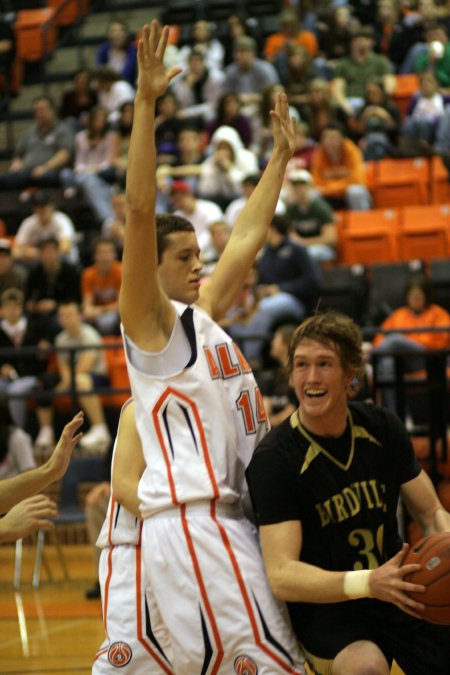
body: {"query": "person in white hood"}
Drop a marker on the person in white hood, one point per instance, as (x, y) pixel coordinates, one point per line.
(222, 172)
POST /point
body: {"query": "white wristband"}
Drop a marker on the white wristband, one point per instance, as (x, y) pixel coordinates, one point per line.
(356, 584)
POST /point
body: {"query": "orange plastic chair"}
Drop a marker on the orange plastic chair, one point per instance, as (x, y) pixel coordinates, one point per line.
(405, 86)
(33, 41)
(401, 182)
(117, 372)
(439, 182)
(424, 232)
(370, 236)
(74, 11)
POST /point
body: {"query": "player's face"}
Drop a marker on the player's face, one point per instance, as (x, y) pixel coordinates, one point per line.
(180, 267)
(320, 385)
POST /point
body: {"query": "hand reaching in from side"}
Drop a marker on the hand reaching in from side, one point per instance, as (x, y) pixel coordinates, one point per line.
(26, 517)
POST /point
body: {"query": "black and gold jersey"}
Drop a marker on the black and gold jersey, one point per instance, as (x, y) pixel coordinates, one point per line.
(343, 490)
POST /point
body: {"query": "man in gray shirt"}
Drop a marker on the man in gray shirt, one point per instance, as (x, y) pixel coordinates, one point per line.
(41, 152)
(248, 76)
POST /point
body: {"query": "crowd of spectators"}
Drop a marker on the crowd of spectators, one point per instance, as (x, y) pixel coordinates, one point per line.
(336, 61)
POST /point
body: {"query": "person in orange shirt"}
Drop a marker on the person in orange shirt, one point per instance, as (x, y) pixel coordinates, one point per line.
(418, 312)
(100, 285)
(338, 170)
(290, 33)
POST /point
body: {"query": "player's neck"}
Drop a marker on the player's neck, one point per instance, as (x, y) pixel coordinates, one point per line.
(332, 426)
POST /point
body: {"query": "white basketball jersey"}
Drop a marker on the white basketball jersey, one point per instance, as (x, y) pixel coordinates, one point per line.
(199, 426)
(120, 526)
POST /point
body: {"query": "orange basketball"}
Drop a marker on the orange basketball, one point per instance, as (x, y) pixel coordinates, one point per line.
(433, 553)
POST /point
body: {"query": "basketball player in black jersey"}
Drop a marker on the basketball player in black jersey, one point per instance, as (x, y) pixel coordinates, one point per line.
(325, 486)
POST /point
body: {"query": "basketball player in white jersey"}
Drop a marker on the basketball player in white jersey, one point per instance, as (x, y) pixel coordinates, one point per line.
(198, 410)
(136, 640)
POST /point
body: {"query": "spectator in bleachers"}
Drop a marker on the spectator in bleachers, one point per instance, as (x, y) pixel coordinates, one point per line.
(198, 88)
(436, 55)
(100, 286)
(16, 447)
(290, 33)
(377, 124)
(114, 228)
(90, 372)
(262, 122)
(219, 232)
(287, 287)
(200, 212)
(222, 172)
(51, 281)
(352, 72)
(167, 122)
(248, 76)
(45, 222)
(335, 34)
(311, 219)
(338, 171)
(78, 100)
(321, 108)
(411, 41)
(119, 52)
(296, 73)
(122, 134)
(387, 19)
(189, 159)
(19, 372)
(248, 185)
(203, 42)
(418, 312)
(12, 275)
(304, 147)
(423, 114)
(237, 26)
(96, 152)
(279, 397)
(228, 113)
(113, 92)
(42, 150)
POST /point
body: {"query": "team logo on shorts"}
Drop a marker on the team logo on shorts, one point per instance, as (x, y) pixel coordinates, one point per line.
(244, 665)
(119, 654)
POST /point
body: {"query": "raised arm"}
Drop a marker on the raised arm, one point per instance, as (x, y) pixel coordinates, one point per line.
(128, 463)
(14, 490)
(145, 309)
(250, 230)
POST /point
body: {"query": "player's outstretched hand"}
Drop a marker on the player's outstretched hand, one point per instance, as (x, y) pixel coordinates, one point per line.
(60, 458)
(388, 583)
(26, 517)
(153, 79)
(283, 126)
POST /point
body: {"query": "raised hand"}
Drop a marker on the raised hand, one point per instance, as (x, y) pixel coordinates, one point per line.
(59, 460)
(153, 79)
(283, 126)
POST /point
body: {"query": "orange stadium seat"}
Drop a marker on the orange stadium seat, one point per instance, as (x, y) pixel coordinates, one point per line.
(424, 232)
(405, 86)
(370, 236)
(35, 34)
(401, 182)
(439, 182)
(73, 11)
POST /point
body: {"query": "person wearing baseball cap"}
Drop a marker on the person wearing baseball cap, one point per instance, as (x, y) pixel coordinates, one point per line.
(311, 218)
(11, 274)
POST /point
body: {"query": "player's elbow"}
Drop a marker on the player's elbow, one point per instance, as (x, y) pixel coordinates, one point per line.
(277, 581)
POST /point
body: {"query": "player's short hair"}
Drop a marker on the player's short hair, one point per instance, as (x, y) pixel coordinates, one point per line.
(167, 224)
(333, 330)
